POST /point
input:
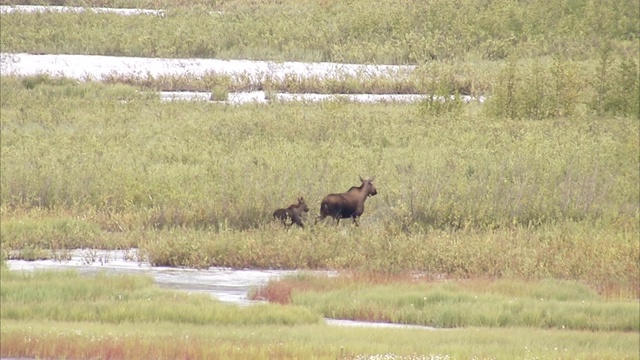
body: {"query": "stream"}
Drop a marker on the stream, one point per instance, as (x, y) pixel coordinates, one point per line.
(227, 285)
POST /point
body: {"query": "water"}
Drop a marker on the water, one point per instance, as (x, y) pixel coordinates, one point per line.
(6, 9)
(97, 67)
(260, 97)
(227, 285)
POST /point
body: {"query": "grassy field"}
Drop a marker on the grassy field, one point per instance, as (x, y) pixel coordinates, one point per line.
(392, 32)
(461, 192)
(482, 303)
(587, 55)
(527, 205)
(63, 314)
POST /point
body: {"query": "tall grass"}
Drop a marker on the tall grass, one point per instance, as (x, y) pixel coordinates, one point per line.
(560, 88)
(130, 162)
(398, 32)
(606, 261)
(461, 191)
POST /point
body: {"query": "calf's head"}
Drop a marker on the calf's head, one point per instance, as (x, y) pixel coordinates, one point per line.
(302, 205)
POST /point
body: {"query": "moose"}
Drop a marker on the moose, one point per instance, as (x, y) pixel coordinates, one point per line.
(349, 204)
(293, 212)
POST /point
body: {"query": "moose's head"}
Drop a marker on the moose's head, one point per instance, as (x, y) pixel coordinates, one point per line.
(367, 185)
(302, 205)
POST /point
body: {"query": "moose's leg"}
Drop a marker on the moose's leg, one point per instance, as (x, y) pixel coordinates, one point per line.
(295, 219)
(355, 221)
(282, 215)
(288, 216)
(324, 212)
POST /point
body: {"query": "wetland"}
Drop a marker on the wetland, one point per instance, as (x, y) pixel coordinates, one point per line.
(506, 169)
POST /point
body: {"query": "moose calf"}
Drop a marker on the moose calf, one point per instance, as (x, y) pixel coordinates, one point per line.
(293, 212)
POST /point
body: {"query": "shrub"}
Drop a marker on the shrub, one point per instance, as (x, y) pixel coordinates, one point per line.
(219, 93)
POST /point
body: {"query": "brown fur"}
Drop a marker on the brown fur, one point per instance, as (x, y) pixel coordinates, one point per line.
(349, 204)
(293, 212)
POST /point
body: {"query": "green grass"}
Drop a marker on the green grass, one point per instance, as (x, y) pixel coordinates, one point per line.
(599, 257)
(537, 189)
(462, 191)
(451, 304)
(68, 297)
(168, 340)
(170, 162)
(63, 314)
(398, 32)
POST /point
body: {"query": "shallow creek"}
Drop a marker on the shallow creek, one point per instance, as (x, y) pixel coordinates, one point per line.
(227, 285)
(224, 284)
(94, 67)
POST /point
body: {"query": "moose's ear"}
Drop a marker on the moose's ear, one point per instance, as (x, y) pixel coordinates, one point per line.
(372, 178)
(361, 179)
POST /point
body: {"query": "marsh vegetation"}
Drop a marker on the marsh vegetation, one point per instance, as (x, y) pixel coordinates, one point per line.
(529, 202)
(195, 184)
(63, 314)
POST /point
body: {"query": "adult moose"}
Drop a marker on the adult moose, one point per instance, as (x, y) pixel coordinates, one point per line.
(349, 204)
(293, 212)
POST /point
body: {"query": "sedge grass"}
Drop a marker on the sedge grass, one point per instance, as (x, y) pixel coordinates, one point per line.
(606, 262)
(450, 304)
(68, 297)
(196, 326)
(167, 340)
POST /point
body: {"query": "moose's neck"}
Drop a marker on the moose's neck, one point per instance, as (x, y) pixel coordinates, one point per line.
(363, 193)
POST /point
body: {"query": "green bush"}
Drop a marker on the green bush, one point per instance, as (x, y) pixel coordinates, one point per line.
(617, 87)
(219, 93)
(533, 90)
